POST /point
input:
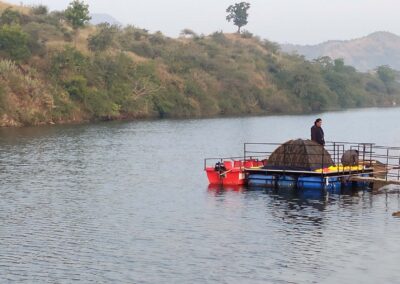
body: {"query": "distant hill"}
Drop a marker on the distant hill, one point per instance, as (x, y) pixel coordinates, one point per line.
(103, 18)
(366, 53)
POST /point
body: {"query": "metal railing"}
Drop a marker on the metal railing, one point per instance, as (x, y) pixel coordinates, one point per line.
(380, 161)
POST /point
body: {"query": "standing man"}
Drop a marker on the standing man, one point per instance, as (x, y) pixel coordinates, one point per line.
(317, 134)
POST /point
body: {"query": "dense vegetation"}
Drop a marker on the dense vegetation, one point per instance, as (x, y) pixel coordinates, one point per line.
(54, 72)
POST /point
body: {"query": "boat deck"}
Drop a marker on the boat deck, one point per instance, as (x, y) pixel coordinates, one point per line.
(308, 173)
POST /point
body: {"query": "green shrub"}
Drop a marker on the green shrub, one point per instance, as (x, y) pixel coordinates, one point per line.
(220, 38)
(271, 46)
(77, 88)
(13, 43)
(163, 105)
(3, 101)
(63, 107)
(104, 38)
(246, 34)
(100, 105)
(68, 61)
(39, 10)
(144, 49)
(157, 38)
(10, 17)
(188, 32)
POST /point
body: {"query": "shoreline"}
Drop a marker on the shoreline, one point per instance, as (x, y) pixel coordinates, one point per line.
(128, 119)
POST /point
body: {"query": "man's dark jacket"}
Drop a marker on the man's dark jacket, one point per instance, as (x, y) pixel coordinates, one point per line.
(317, 135)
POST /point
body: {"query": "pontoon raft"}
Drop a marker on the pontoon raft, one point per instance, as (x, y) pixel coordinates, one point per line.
(304, 164)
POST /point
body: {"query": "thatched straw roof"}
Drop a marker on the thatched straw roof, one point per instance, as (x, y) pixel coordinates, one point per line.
(300, 154)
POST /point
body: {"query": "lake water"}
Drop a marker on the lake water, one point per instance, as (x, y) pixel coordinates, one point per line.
(128, 202)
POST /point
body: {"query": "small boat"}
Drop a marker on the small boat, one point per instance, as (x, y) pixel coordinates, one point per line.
(230, 171)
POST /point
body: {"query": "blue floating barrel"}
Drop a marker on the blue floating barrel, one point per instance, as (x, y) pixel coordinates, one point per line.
(333, 184)
(287, 182)
(318, 183)
(310, 183)
(261, 180)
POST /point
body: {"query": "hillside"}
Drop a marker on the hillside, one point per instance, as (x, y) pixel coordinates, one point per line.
(366, 53)
(50, 73)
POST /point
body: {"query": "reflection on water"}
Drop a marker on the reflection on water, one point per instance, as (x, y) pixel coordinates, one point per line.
(129, 203)
(321, 237)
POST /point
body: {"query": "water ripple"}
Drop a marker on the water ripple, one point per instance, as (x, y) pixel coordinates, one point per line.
(115, 203)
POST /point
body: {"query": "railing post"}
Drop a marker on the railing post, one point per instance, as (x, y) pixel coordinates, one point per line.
(284, 160)
(322, 168)
(363, 160)
(398, 170)
(244, 151)
(387, 164)
(334, 152)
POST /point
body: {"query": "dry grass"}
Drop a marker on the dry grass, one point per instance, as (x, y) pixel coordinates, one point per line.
(56, 45)
(135, 57)
(165, 76)
(260, 80)
(81, 41)
(19, 8)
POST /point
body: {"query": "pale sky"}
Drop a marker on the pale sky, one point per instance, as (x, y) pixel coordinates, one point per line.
(283, 21)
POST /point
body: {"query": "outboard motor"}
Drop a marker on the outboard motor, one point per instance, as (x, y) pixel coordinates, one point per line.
(220, 167)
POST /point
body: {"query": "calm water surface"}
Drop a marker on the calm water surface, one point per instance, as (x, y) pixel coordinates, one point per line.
(129, 203)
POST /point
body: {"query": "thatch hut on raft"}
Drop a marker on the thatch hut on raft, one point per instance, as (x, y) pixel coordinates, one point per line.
(300, 154)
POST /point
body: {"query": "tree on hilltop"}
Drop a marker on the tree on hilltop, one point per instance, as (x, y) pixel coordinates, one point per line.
(77, 14)
(238, 13)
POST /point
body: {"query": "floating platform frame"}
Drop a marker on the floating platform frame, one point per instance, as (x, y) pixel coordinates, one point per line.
(374, 165)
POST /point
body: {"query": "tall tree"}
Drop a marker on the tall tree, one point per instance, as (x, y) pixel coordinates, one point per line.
(77, 14)
(389, 77)
(238, 13)
(386, 74)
